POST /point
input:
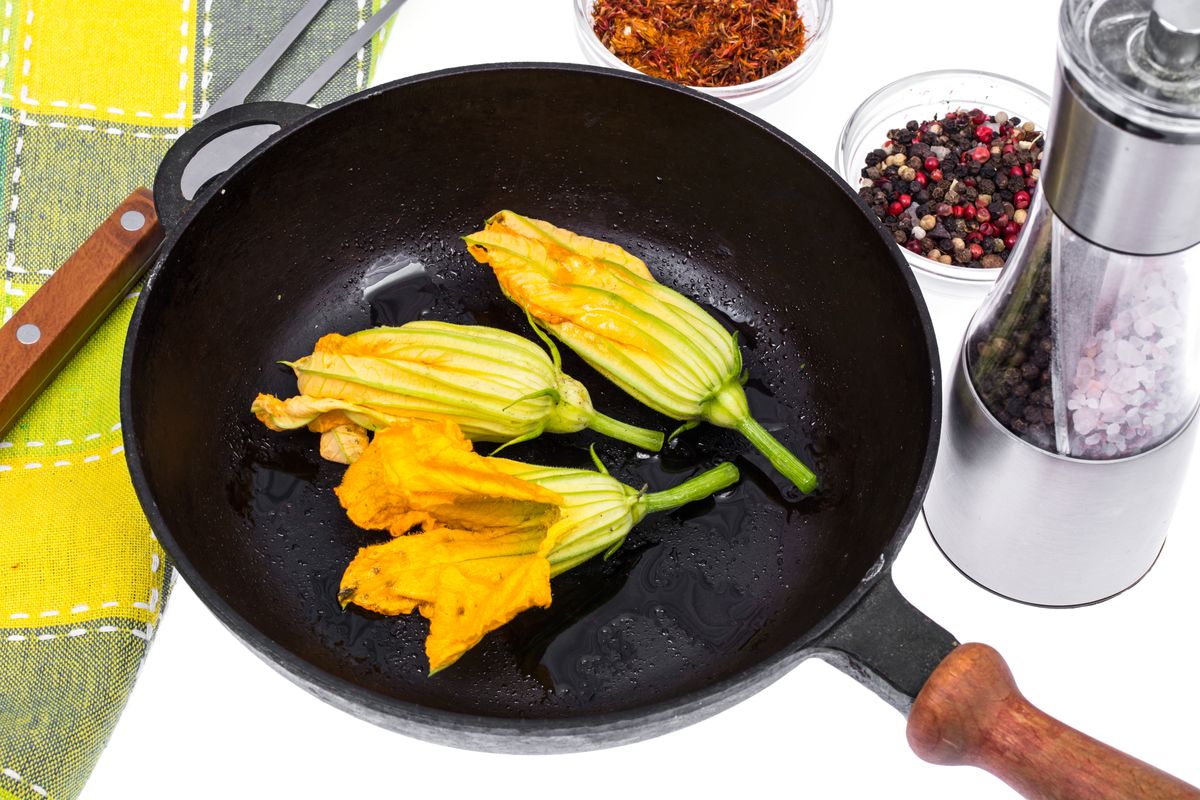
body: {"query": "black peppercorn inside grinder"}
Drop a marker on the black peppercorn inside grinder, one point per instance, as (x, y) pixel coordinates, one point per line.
(1070, 423)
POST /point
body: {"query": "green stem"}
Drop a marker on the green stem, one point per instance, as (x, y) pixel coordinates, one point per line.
(638, 437)
(780, 457)
(697, 488)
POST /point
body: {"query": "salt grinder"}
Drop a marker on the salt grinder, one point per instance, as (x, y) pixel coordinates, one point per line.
(1070, 422)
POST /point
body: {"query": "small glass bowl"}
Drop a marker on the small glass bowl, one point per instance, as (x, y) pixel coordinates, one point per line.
(923, 97)
(817, 15)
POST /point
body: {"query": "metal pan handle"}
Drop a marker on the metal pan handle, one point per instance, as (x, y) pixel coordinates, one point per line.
(964, 708)
(211, 147)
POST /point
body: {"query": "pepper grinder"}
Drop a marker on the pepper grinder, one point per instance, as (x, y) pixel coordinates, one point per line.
(1069, 426)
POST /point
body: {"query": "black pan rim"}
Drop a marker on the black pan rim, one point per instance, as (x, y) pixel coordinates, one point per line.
(311, 675)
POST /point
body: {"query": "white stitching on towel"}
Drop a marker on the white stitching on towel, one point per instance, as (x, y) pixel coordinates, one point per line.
(11, 254)
(24, 119)
(205, 58)
(12, 774)
(145, 634)
(150, 605)
(63, 443)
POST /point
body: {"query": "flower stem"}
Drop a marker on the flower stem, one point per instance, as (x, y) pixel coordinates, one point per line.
(780, 457)
(641, 438)
(697, 488)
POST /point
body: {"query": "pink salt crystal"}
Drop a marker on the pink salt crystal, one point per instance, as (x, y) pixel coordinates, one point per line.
(1085, 421)
(1144, 327)
(1122, 381)
(1110, 401)
(1167, 317)
(1129, 355)
(1085, 369)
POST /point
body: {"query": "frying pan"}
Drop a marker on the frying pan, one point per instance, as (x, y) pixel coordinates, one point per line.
(701, 607)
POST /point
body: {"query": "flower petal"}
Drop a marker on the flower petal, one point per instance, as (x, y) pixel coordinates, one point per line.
(423, 472)
(465, 583)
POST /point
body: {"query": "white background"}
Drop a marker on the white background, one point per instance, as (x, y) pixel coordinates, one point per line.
(208, 719)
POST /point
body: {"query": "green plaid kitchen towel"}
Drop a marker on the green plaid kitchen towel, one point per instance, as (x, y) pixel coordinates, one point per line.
(92, 93)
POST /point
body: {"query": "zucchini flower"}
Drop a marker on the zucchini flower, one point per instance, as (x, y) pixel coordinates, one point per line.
(648, 339)
(477, 539)
(497, 386)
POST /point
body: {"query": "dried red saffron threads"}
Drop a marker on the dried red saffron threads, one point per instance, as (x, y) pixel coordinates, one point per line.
(702, 42)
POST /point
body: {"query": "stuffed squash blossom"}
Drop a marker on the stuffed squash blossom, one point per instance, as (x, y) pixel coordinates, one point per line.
(497, 386)
(650, 340)
(477, 539)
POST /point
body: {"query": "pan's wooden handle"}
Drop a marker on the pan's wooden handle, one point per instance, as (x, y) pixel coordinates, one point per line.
(45, 331)
(971, 712)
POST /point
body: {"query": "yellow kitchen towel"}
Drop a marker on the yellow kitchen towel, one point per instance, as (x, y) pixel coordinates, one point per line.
(92, 93)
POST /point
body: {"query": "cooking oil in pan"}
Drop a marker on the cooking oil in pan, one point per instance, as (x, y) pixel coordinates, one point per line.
(398, 290)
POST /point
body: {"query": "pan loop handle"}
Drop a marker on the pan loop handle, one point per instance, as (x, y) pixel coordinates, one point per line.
(211, 147)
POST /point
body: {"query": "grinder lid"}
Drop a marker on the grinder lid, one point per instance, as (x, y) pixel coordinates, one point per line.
(1139, 60)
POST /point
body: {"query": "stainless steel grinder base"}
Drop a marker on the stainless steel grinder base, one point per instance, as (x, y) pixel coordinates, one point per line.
(1043, 528)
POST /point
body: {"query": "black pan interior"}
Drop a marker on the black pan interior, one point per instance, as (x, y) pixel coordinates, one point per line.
(719, 207)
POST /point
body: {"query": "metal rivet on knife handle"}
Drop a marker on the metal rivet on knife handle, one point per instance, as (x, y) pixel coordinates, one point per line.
(29, 334)
(133, 220)
(56, 319)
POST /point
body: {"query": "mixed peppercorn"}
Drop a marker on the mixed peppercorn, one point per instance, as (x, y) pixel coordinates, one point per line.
(702, 42)
(956, 189)
(1010, 359)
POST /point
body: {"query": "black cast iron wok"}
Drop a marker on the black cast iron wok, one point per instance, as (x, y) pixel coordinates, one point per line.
(701, 607)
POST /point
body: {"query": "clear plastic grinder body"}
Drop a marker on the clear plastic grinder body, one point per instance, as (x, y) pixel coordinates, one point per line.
(1069, 427)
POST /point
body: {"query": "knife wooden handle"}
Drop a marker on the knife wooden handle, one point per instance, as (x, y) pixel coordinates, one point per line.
(50, 327)
(971, 712)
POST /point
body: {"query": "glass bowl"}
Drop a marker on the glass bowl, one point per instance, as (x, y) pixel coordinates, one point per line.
(923, 97)
(817, 15)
